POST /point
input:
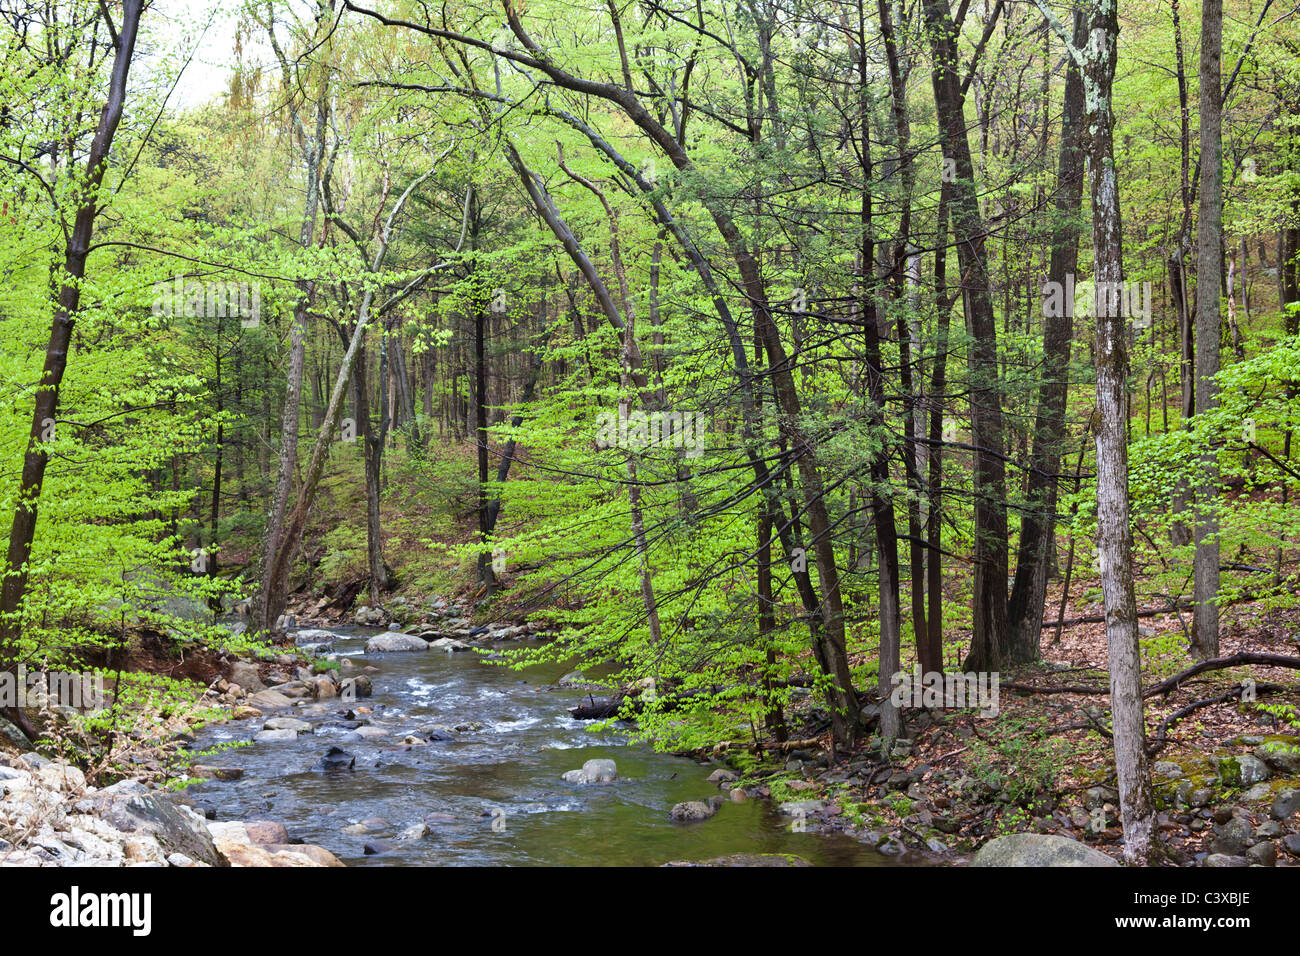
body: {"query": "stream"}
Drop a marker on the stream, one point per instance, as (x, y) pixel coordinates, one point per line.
(496, 790)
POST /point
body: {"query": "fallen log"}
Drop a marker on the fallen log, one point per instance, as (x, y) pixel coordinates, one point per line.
(1062, 689)
(1162, 735)
(780, 747)
(1101, 618)
(605, 708)
(602, 709)
(1219, 663)
(1171, 683)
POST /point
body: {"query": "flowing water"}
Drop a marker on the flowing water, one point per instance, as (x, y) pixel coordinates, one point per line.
(499, 786)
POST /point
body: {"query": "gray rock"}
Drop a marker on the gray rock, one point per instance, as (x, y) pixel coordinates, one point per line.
(312, 640)
(287, 723)
(692, 811)
(1039, 849)
(1261, 791)
(1263, 854)
(593, 771)
(1285, 804)
(1282, 757)
(127, 788)
(177, 828)
(1243, 771)
(270, 700)
(371, 616)
(1292, 843)
(395, 642)
(336, 759)
(1223, 860)
(1268, 830)
(1231, 838)
(449, 645)
(416, 831)
(365, 733)
(10, 732)
(275, 736)
(723, 776)
(209, 772)
(1166, 769)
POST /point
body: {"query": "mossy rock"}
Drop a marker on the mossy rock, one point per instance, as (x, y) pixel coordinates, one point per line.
(1194, 765)
(1281, 754)
(1241, 771)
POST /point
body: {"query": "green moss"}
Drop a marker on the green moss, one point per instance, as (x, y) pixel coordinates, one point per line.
(1230, 771)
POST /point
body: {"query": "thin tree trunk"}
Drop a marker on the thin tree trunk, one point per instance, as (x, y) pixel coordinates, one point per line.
(1209, 270)
(1038, 523)
(1114, 534)
(990, 585)
(46, 405)
(938, 386)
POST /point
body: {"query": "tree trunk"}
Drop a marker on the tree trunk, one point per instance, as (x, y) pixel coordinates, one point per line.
(1114, 534)
(1209, 271)
(1038, 523)
(990, 586)
(45, 411)
(372, 449)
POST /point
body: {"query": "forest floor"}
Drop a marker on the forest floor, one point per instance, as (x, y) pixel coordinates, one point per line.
(1227, 774)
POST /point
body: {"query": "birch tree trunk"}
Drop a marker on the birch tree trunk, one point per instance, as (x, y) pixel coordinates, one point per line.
(1096, 62)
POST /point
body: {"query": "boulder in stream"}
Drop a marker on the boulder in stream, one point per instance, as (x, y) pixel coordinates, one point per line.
(593, 771)
(336, 759)
(391, 642)
(371, 616)
(693, 811)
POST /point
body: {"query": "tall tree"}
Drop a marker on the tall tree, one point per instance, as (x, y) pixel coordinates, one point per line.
(969, 235)
(46, 406)
(1209, 272)
(1096, 62)
(1038, 521)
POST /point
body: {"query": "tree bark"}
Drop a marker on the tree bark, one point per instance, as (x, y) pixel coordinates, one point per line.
(1209, 271)
(990, 587)
(1114, 535)
(1038, 523)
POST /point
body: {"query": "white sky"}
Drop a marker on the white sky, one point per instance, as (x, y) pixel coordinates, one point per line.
(205, 28)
